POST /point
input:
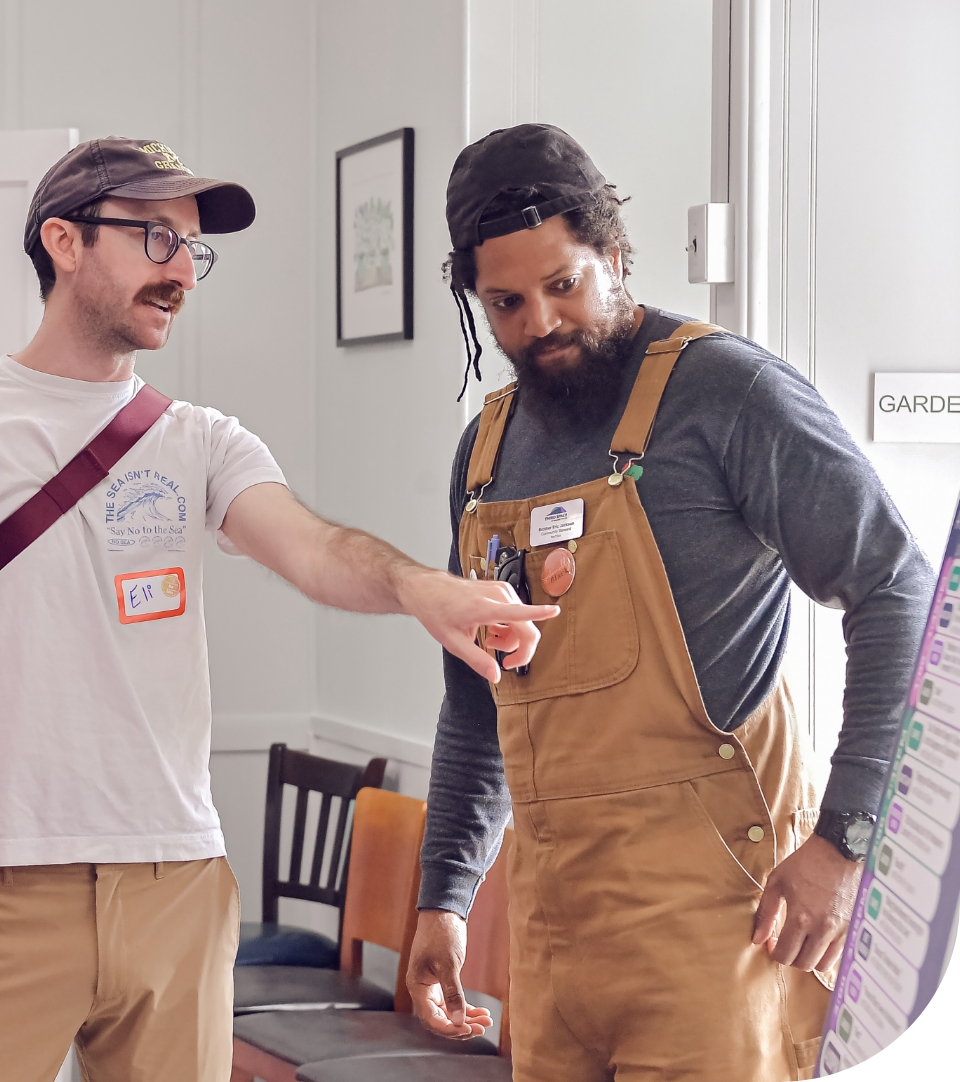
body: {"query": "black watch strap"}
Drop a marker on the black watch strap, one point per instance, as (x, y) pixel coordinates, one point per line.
(849, 832)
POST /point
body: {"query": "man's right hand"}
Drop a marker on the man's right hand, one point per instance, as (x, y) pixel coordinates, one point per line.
(433, 977)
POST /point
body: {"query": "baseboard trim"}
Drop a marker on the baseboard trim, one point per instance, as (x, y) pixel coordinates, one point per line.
(256, 732)
(373, 741)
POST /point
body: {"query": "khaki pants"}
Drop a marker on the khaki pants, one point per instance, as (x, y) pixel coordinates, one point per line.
(133, 962)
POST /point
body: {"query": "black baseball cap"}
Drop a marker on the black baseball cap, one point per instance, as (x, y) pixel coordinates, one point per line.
(539, 156)
(135, 169)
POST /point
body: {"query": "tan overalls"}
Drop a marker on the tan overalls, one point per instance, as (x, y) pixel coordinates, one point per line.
(644, 833)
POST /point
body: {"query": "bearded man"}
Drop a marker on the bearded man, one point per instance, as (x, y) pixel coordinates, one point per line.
(664, 481)
(118, 911)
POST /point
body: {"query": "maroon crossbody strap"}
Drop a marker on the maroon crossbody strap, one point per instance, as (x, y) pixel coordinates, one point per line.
(81, 473)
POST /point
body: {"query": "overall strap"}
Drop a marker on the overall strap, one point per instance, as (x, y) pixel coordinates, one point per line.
(493, 420)
(82, 473)
(636, 424)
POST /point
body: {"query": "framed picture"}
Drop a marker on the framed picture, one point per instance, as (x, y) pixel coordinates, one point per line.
(375, 240)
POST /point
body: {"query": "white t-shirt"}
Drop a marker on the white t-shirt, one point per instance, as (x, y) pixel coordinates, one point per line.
(104, 685)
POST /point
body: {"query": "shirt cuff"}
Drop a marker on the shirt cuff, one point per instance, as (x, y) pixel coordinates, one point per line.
(855, 787)
(446, 886)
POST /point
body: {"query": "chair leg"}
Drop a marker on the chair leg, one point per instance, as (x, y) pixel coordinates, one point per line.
(250, 1063)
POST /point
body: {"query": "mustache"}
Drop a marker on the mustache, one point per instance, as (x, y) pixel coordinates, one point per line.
(165, 293)
(555, 340)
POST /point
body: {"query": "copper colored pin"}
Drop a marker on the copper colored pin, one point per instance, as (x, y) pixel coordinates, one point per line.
(559, 569)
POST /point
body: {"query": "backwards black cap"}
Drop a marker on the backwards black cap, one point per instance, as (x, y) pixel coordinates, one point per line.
(539, 156)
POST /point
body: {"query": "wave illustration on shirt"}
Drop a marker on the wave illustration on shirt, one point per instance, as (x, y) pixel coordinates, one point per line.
(141, 504)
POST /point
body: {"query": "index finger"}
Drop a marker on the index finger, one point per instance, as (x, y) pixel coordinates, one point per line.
(521, 614)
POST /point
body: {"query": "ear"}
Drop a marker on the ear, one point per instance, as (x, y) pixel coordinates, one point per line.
(63, 243)
(616, 259)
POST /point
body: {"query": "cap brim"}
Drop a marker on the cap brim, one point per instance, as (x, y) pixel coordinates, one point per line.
(224, 207)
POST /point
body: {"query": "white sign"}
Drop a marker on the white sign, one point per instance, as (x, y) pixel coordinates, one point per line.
(556, 522)
(916, 407)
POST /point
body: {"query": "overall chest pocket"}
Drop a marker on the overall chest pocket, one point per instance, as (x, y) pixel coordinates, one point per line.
(594, 642)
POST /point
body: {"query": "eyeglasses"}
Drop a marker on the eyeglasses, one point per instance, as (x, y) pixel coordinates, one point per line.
(161, 243)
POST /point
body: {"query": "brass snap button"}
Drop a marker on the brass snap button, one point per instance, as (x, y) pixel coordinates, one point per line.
(756, 834)
(727, 751)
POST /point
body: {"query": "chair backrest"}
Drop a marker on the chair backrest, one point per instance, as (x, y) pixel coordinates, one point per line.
(310, 773)
(381, 905)
(486, 968)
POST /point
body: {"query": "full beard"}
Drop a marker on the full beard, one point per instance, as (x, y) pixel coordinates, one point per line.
(584, 394)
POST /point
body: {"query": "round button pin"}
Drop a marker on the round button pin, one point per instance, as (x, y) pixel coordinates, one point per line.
(572, 546)
(756, 834)
(170, 584)
(615, 479)
(471, 506)
(727, 751)
(559, 570)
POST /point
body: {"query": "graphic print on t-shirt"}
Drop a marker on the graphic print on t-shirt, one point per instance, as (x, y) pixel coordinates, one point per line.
(145, 509)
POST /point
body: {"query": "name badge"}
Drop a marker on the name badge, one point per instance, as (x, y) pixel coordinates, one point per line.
(556, 522)
(151, 595)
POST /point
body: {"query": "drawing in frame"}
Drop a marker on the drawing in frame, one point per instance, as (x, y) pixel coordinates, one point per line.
(375, 240)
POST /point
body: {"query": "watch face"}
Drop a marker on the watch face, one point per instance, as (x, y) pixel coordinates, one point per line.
(858, 835)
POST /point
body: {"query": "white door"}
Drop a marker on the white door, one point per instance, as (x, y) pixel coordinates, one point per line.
(24, 158)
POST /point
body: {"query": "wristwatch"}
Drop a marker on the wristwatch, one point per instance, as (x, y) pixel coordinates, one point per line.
(850, 832)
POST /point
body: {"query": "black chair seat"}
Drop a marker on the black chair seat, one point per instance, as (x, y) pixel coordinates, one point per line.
(285, 945)
(311, 1036)
(265, 988)
(415, 1067)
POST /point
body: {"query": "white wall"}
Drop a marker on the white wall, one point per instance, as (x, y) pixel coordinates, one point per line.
(632, 83)
(888, 228)
(387, 421)
(846, 177)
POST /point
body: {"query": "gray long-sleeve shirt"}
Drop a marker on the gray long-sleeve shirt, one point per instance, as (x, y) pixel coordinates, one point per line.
(749, 481)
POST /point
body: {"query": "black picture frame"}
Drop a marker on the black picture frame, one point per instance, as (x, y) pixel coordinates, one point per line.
(371, 305)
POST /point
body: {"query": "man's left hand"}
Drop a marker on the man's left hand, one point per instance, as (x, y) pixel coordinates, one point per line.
(819, 886)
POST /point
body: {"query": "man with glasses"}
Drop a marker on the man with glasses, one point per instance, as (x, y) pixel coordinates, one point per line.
(118, 912)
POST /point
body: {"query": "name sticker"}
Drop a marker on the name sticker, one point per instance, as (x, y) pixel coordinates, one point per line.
(556, 522)
(151, 595)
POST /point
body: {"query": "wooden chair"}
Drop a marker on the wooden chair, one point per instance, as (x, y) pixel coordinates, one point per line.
(390, 1045)
(276, 963)
(485, 970)
(380, 908)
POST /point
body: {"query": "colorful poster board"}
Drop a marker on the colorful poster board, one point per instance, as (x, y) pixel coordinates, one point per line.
(905, 918)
